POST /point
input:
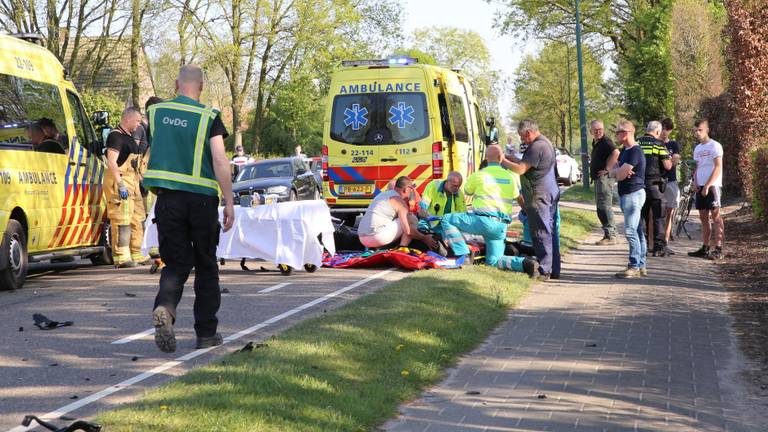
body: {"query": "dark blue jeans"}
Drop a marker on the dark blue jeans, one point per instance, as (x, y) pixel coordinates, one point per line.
(542, 211)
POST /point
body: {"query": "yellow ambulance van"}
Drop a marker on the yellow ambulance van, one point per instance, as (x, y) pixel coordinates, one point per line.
(395, 117)
(51, 168)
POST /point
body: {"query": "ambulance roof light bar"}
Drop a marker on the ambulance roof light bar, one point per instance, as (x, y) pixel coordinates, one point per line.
(392, 61)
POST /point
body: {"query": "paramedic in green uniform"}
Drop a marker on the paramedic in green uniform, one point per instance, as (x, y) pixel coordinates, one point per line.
(187, 169)
(494, 191)
(443, 197)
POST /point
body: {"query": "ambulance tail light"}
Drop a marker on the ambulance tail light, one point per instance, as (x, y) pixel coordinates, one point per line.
(325, 163)
(437, 160)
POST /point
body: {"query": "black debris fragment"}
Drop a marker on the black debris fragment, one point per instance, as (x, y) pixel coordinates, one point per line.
(472, 392)
(541, 396)
(590, 345)
(21, 329)
(74, 397)
(225, 291)
(127, 294)
(134, 358)
(43, 323)
(53, 364)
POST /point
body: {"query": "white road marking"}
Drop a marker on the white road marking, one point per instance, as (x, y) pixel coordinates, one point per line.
(274, 288)
(196, 353)
(133, 337)
(151, 331)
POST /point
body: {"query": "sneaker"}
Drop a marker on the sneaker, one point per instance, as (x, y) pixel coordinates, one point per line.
(543, 277)
(607, 241)
(629, 273)
(531, 267)
(165, 339)
(209, 341)
(716, 253)
(643, 272)
(702, 252)
(128, 264)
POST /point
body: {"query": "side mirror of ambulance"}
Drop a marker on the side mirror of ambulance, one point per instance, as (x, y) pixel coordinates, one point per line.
(101, 118)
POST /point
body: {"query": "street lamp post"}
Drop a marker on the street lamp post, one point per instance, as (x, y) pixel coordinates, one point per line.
(582, 109)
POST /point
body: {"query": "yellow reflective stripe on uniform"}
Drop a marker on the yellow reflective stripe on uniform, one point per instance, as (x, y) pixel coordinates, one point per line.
(188, 108)
(496, 198)
(202, 127)
(183, 178)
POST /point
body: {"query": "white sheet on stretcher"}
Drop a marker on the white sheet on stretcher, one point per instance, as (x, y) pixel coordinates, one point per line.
(284, 233)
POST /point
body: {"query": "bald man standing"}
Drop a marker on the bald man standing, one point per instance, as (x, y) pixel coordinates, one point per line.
(188, 169)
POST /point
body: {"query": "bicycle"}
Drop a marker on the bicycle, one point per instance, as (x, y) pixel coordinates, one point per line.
(687, 199)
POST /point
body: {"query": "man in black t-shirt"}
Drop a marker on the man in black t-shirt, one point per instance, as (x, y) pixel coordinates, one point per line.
(672, 193)
(125, 207)
(604, 154)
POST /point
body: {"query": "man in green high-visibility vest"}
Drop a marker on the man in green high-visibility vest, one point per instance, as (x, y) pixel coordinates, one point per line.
(188, 169)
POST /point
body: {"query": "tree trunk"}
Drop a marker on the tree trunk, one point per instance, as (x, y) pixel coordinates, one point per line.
(136, 17)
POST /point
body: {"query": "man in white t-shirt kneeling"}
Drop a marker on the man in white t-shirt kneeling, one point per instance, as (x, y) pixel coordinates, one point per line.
(708, 177)
(388, 219)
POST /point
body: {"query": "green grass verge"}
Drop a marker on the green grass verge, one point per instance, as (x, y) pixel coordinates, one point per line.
(577, 193)
(347, 370)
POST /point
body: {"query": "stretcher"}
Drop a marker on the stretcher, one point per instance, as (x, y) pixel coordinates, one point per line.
(291, 235)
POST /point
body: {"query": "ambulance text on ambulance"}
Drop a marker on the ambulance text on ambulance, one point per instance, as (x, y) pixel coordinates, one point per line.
(380, 88)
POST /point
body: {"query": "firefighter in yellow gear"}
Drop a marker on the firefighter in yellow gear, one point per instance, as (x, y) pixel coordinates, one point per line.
(125, 205)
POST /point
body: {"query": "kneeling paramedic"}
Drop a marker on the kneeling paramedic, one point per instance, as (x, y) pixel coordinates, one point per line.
(125, 205)
(494, 191)
(443, 197)
(187, 166)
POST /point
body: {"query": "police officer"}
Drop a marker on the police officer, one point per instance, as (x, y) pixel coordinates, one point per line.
(541, 195)
(494, 191)
(443, 197)
(188, 169)
(657, 163)
(125, 208)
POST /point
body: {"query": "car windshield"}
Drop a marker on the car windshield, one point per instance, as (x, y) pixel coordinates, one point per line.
(266, 170)
(379, 118)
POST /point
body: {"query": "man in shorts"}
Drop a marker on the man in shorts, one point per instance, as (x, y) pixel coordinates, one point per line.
(387, 219)
(708, 178)
(672, 191)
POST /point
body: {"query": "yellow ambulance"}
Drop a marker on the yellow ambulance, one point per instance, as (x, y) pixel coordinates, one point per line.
(395, 117)
(51, 202)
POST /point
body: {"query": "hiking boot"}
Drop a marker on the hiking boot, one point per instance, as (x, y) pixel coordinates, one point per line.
(607, 241)
(629, 273)
(128, 264)
(643, 272)
(716, 253)
(209, 341)
(531, 267)
(703, 252)
(165, 339)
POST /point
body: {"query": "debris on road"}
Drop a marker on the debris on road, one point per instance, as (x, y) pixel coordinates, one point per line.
(43, 323)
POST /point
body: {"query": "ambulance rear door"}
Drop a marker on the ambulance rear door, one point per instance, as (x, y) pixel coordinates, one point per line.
(462, 152)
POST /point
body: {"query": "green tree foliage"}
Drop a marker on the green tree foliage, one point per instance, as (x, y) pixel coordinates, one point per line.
(637, 32)
(542, 91)
(696, 60)
(112, 104)
(466, 50)
(646, 66)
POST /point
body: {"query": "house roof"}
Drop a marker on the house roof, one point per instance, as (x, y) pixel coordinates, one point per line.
(114, 73)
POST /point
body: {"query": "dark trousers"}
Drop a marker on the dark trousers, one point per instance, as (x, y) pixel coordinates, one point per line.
(604, 203)
(188, 232)
(542, 218)
(654, 204)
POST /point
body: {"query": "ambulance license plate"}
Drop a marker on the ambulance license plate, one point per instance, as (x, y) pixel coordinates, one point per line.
(356, 189)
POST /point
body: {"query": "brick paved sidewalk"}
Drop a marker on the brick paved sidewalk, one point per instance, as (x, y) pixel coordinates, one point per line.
(591, 352)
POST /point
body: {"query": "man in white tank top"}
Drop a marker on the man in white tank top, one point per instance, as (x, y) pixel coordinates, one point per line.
(387, 219)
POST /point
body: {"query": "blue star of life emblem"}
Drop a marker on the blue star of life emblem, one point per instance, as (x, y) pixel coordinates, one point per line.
(355, 117)
(401, 115)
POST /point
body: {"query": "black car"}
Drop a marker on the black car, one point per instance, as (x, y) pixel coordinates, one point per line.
(288, 178)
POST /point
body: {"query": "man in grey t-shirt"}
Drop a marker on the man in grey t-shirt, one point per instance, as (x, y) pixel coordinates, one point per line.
(541, 195)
